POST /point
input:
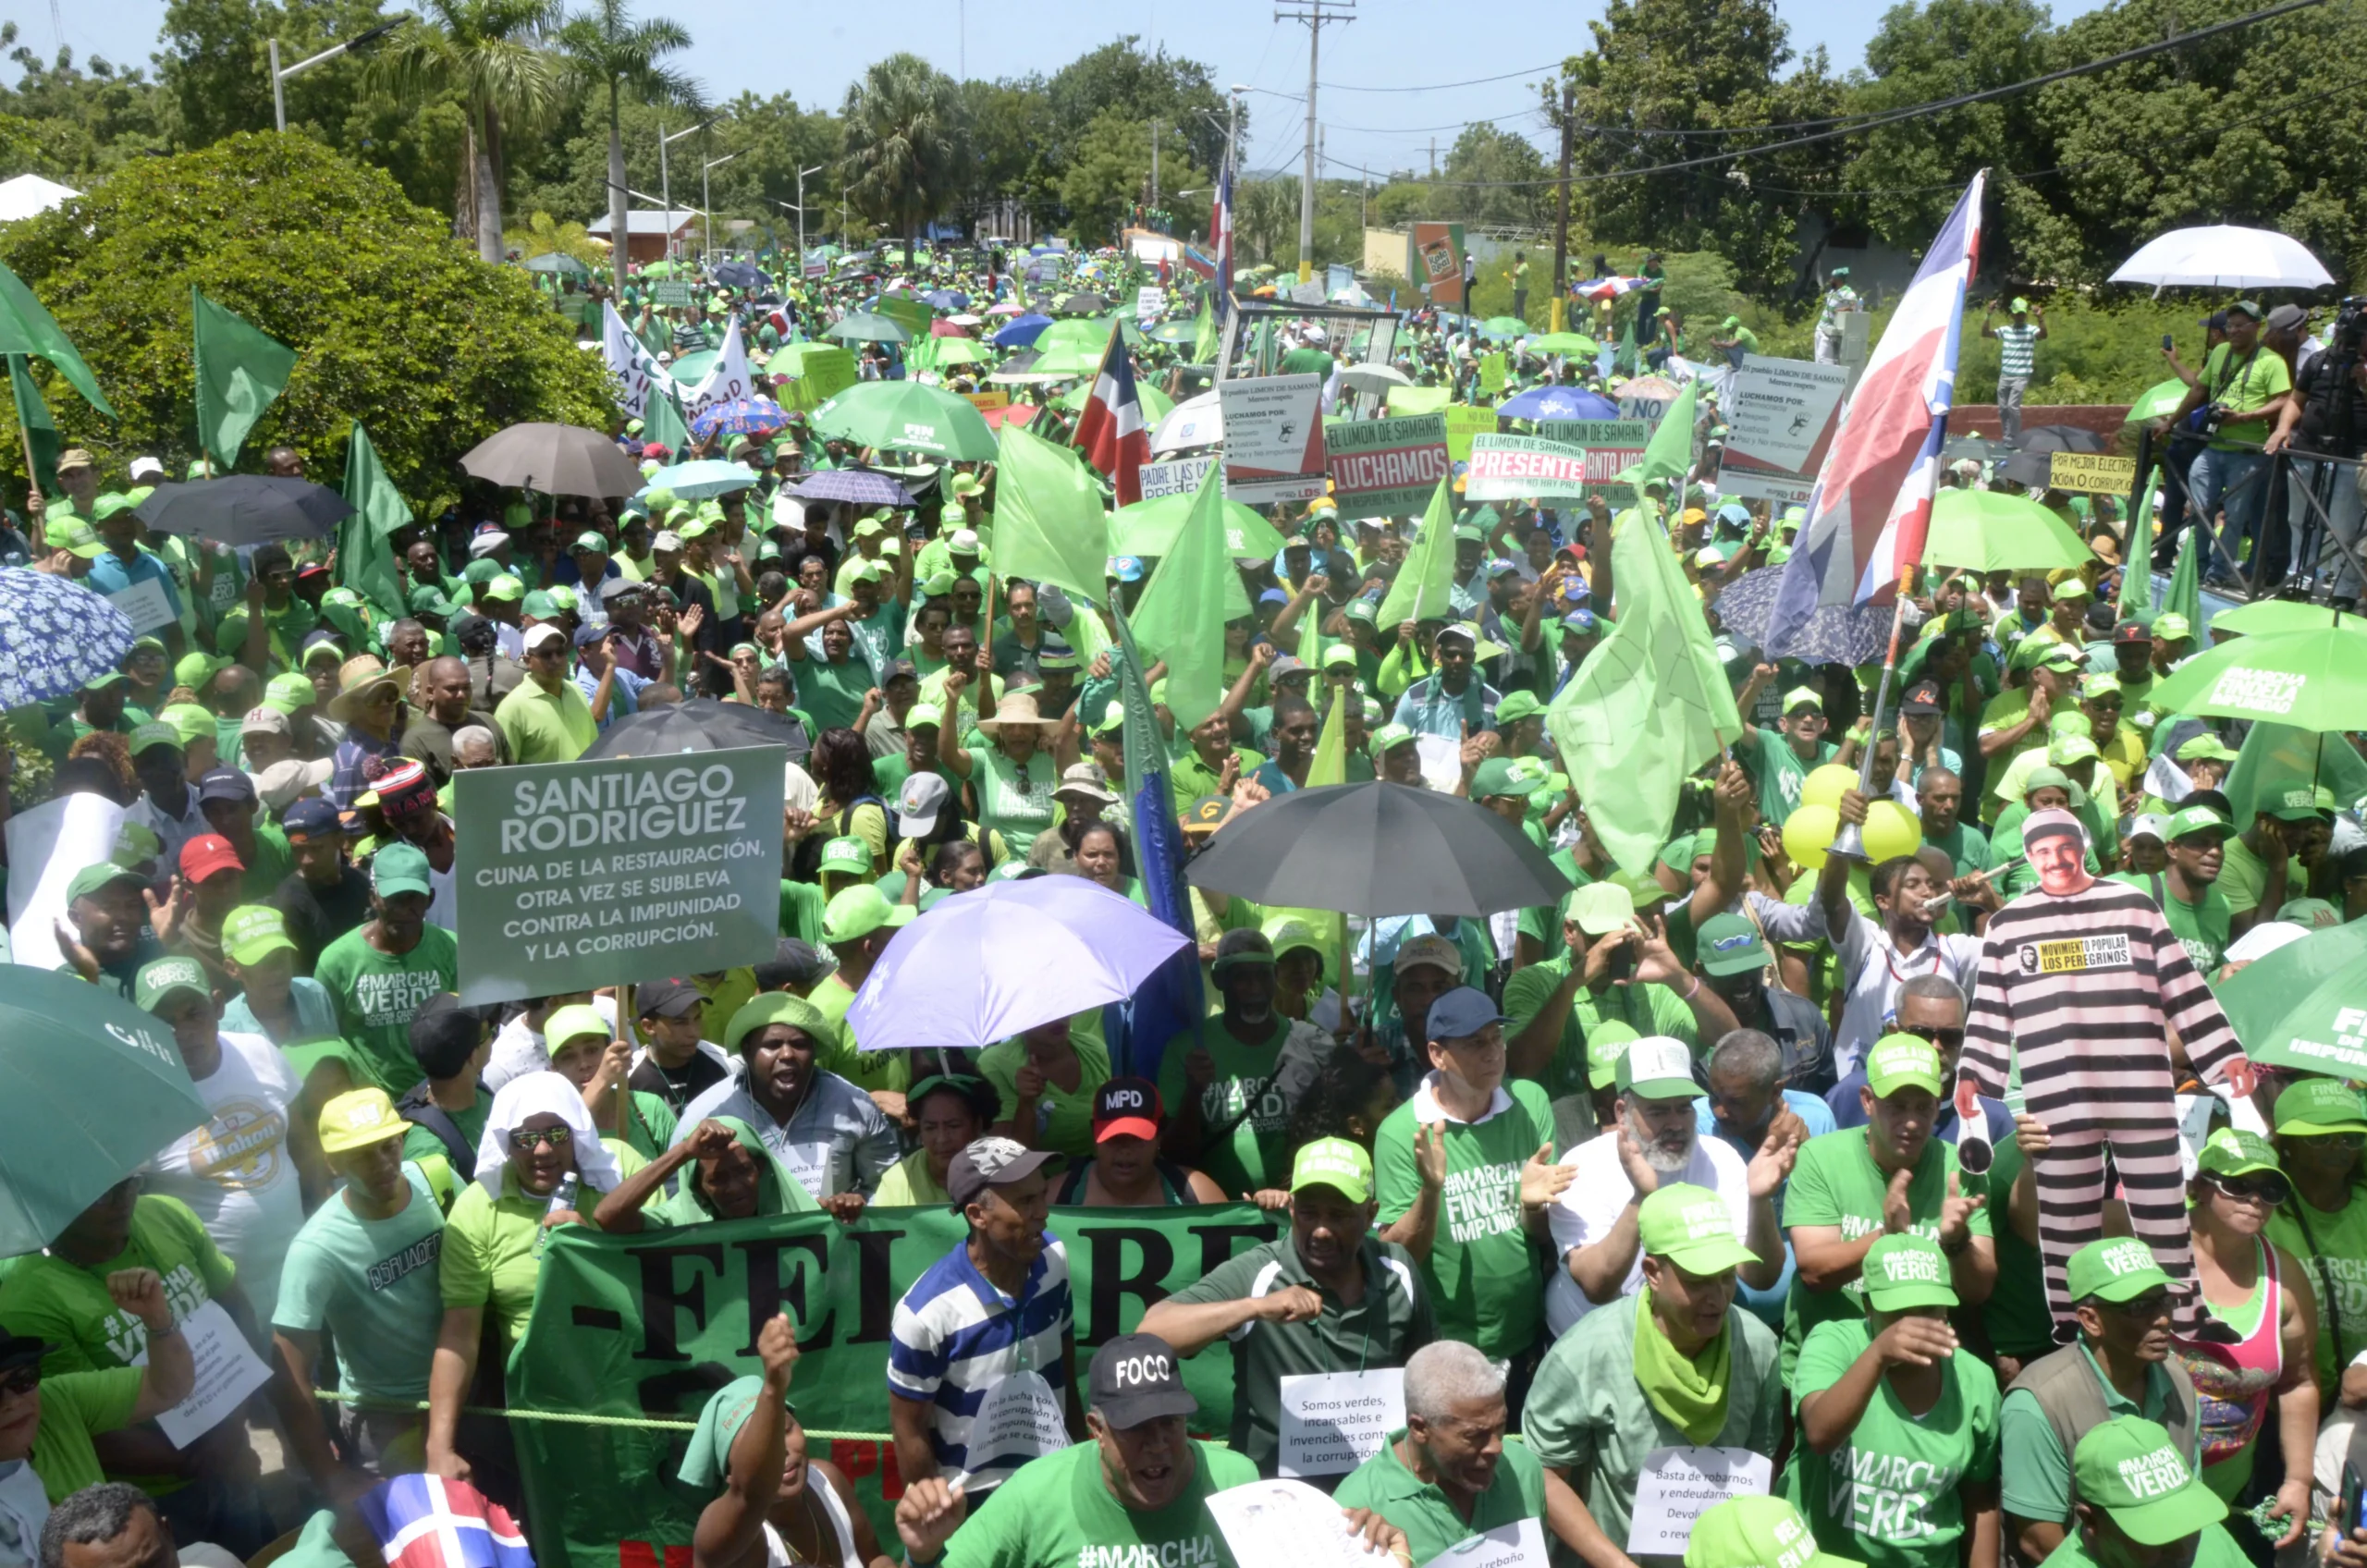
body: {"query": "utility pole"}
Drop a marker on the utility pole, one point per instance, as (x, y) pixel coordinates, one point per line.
(1154, 162)
(1434, 157)
(665, 182)
(800, 215)
(1315, 18)
(706, 201)
(1364, 191)
(1562, 208)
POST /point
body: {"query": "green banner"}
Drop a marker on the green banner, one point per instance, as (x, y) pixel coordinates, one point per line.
(911, 314)
(582, 873)
(648, 1326)
(1385, 467)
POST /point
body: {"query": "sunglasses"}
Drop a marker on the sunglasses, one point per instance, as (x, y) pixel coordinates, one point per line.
(2352, 1140)
(2150, 1305)
(1951, 1039)
(2270, 1190)
(19, 1382)
(524, 1138)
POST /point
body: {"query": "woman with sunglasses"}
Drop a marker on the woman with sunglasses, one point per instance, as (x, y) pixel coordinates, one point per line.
(538, 1135)
(2254, 1340)
(2321, 1127)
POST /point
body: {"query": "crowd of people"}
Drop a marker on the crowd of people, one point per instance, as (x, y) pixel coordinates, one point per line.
(1800, 1157)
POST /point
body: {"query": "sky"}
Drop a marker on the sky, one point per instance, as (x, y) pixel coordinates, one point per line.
(813, 51)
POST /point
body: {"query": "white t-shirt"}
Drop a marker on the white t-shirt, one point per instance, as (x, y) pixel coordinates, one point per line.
(237, 1170)
(1588, 1208)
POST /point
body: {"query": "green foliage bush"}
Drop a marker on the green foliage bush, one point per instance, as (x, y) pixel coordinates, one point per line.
(394, 323)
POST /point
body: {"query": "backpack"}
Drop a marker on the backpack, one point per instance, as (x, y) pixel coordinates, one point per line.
(417, 1106)
(806, 865)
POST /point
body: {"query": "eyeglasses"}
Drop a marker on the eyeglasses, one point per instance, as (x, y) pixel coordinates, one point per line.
(2268, 1189)
(2152, 1305)
(20, 1383)
(1952, 1039)
(2351, 1141)
(524, 1138)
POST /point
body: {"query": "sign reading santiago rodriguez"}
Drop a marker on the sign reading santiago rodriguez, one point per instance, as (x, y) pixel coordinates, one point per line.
(582, 873)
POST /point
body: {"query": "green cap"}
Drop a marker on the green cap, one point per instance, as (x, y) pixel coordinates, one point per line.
(1516, 705)
(1600, 908)
(2171, 627)
(2205, 747)
(504, 587)
(1335, 1163)
(135, 843)
(1904, 1272)
(2294, 803)
(106, 873)
(568, 1024)
(74, 535)
(1899, 1061)
(849, 853)
(1757, 1532)
(1386, 738)
(1729, 944)
(255, 932)
(2116, 1270)
(2129, 1468)
(1505, 776)
(590, 539)
(1692, 1227)
(289, 692)
(153, 734)
(1802, 696)
(774, 1007)
(1656, 1066)
(2231, 1151)
(2199, 819)
(859, 911)
(192, 720)
(2096, 686)
(164, 977)
(399, 868)
(2311, 1108)
(1606, 1043)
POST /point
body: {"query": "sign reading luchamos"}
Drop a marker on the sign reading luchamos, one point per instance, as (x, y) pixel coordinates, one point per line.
(582, 873)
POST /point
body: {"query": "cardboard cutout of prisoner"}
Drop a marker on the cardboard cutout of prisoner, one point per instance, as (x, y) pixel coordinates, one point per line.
(2084, 979)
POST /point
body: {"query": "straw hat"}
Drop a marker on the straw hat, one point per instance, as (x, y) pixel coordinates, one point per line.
(1016, 707)
(358, 674)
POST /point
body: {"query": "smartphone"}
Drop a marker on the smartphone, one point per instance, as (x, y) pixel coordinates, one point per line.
(2165, 343)
(1622, 964)
(2347, 1508)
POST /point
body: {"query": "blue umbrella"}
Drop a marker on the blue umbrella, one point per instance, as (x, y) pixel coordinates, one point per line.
(1558, 402)
(54, 636)
(857, 485)
(1020, 332)
(986, 964)
(1846, 634)
(947, 299)
(702, 480)
(739, 416)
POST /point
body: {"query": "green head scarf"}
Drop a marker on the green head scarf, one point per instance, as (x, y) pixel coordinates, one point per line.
(778, 1190)
(707, 1462)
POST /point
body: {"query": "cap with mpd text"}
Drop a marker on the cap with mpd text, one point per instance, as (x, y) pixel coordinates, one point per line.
(1757, 1532)
(1902, 1061)
(1127, 1108)
(1693, 1227)
(2130, 1467)
(1657, 1067)
(1135, 1378)
(1335, 1163)
(1904, 1271)
(2116, 1270)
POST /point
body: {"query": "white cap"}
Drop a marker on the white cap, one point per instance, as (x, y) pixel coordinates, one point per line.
(145, 469)
(919, 803)
(290, 779)
(962, 542)
(485, 544)
(2150, 825)
(264, 721)
(546, 632)
(667, 540)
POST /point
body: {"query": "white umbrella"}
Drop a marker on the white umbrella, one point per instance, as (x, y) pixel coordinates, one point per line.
(1196, 422)
(2224, 256)
(1374, 378)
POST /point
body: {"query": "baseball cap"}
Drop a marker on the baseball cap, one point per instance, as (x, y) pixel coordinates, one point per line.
(209, 854)
(1505, 776)
(91, 878)
(2205, 747)
(263, 721)
(666, 999)
(2248, 307)
(74, 535)
(1127, 1108)
(1429, 950)
(135, 843)
(1906, 1271)
(486, 542)
(2231, 1151)
(1757, 1532)
(1516, 706)
(1600, 908)
(1134, 1377)
(2310, 1108)
(990, 1162)
(1729, 944)
(2116, 1270)
(224, 784)
(2171, 627)
(1335, 1163)
(359, 1117)
(1387, 738)
(918, 805)
(1126, 569)
(2096, 686)
(1902, 1061)
(847, 854)
(1340, 656)
(162, 978)
(570, 1023)
(2198, 819)
(1692, 1227)
(2128, 1467)
(307, 820)
(544, 635)
(2149, 825)
(859, 911)
(290, 692)
(2295, 802)
(1607, 1042)
(1656, 1066)
(399, 868)
(1205, 815)
(1461, 1013)
(153, 734)
(252, 932)
(2132, 632)
(1921, 698)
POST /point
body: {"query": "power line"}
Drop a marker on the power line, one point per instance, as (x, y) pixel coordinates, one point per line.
(1441, 86)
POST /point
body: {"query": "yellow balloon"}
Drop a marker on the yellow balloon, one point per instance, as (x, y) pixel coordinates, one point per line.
(1808, 833)
(1891, 830)
(1825, 786)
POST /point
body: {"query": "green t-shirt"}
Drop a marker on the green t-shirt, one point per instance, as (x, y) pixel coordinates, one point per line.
(47, 1298)
(1781, 772)
(1888, 1497)
(1836, 1182)
(1063, 1121)
(832, 693)
(1482, 1269)
(1243, 1096)
(491, 1255)
(542, 727)
(373, 1285)
(2203, 928)
(377, 993)
(273, 862)
(2016, 1314)
(2215, 1549)
(76, 1408)
(419, 1144)
(2241, 381)
(1018, 805)
(2002, 712)
(1648, 1008)
(1388, 1325)
(1417, 1507)
(1964, 844)
(1057, 1512)
(2332, 1249)
(865, 1070)
(2243, 878)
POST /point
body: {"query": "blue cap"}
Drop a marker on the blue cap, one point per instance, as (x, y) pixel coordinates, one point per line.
(1734, 512)
(587, 634)
(1461, 1014)
(1273, 597)
(311, 817)
(1580, 619)
(1127, 569)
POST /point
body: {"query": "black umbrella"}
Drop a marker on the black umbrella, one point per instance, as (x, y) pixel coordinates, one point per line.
(698, 725)
(740, 275)
(245, 509)
(557, 459)
(2062, 438)
(2032, 469)
(1083, 305)
(1378, 849)
(1846, 634)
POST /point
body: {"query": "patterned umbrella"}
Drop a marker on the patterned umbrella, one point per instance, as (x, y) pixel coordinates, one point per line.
(741, 416)
(1834, 634)
(1558, 402)
(851, 484)
(55, 635)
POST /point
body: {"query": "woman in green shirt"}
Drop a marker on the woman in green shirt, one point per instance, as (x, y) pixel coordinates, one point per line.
(1013, 776)
(1097, 861)
(950, 1112)
(584, 1052)
(2321, 1127)
(1047, 1079)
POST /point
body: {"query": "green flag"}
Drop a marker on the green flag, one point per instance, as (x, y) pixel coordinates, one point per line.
(661, 421)
(2184, 596)
(26, 328)
(40, 432)
(1670, 451)
(1184, 605)
(1049, 525)
(240, 370)
(1623, 360)
(2137, 571)
(1648, 706)
(1208, 339)
(1425, 583)
(365, 562)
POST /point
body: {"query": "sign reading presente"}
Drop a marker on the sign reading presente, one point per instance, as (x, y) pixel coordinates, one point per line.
(583, 874)
(1511, 468)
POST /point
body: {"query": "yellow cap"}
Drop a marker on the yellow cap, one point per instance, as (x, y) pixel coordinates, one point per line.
(358, 1119)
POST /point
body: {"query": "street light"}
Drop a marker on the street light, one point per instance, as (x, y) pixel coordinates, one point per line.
(356, 44)
(707, 201)
(817, 168)
(665, 181)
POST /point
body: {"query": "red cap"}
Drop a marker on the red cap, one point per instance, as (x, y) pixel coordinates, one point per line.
(1126, 1107)
(207, 853)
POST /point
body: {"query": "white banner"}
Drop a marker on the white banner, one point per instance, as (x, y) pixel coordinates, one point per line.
(635, 368)
(46, 846)
(1511, 468)
(1781, 416)
(728, 379)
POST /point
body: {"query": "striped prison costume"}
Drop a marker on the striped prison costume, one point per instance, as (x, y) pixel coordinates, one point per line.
(2080, 988)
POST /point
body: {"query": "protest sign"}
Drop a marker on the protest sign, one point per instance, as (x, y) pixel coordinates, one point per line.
(1612, 446)
(1273, 438)
(1462, 424)
(982, 401)
(729, 380)
(583, 874)
(2094, 473)
(47, 844)
(1780, 423)
(645, 1327)
(144, 605)
(1437, 251)
(1385, 467)
(1512, 468)
(1149, 301)
(635, 368)
(1281, 1523)
(821, 374)
(1177, 476)
(1494, 371)
(227, 1372)
(1679, 1485)
(1332, 1422)
(1520, 1544)
(913, 316)
(673, 291)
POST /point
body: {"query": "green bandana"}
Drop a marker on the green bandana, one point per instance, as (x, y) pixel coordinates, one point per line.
(1691, 1393)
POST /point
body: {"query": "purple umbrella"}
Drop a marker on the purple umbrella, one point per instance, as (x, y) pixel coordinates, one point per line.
(859, 487)
(1558, 402)
(986, 964)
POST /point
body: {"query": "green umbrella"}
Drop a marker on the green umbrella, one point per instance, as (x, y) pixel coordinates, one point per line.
(1571, 343)
(1148, 528)
(557, 262)
(962, 351)
(1990, 530)
(1178, 332)
(2299, 1007)
(864, 326)
(2161, 399)
(2264, 617)
(904, 416)
(91, 1088)
(2309, 679)
(692, 368)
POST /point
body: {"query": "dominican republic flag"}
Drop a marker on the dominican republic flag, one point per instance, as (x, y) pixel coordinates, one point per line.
(1109, 432)
(428, 1522)
(1872, 503)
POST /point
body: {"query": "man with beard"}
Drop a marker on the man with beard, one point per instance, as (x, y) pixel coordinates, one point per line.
(449, 704)
(1656, 1143)
(1939, 792)
(1234, 1093)
(827, 1130)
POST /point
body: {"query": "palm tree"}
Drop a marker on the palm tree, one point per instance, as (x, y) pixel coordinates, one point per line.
(489, 54)
(609, 52)
(903, 130)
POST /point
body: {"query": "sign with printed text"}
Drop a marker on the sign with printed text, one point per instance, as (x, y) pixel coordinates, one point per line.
(674, 291)
(2091, 473)
(1150, 299)
(629, 360)
(729, 379)
(1520, 1544)
(144, 605)
(913, 316)
(1177, 476)
(982, 401)
(1612, 446)
(1781, 422)
(1679, 1485)
(822, 374)
(1332, 1422)
(1462, 424)
(1437, 251)
(1513, 467)
(228, 1372)
(1273, 438)
(1385, 467)
(583, 874)
(1494, 371)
